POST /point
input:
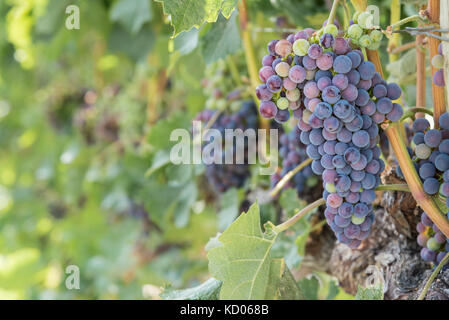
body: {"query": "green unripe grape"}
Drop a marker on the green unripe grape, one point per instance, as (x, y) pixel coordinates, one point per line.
(374, 45)
(210, 104)
(300, 47)
(432, 244)
(438, 61)
(332, 29)
(365, 20)
(356, 220)
(422, 151)
(221, 104)
(282, 103)
(282, 69)
(365, 41)
(355, 42)
(306, 115)
(355, 17)
(330, 187)
(293, 95)
(355, 31)
(376, 35)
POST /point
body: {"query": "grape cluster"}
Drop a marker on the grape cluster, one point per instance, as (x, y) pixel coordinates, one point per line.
(225, 176)
(438, 62)
(435, 244)
(293, 153)
(339, 100)
(431, 158)
(362, 31)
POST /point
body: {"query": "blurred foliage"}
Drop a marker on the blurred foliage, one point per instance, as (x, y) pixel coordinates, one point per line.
(84, 114)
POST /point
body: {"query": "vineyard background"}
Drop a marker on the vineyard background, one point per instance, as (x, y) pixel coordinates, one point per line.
(85, 178)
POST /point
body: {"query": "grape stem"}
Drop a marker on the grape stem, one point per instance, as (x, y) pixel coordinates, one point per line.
(333, 12)
(301, 213)
(395, 40)
(393, 187)
(402, 48)
(288, 176)
(432, 277)
(399, 23)
(412, 111)
(439, 106)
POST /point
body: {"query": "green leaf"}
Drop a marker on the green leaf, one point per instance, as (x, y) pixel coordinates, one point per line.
(244, 263)
(161, 159)
(309, 286)
(186, 42)
(229, 203)
(222, 39)
(208, 290)
(289, 201)
(131, 14)
(372, 293)
(186, 14)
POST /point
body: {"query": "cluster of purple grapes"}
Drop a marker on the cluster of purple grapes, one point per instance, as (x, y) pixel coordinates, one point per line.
(431, 158)
(293, 152)
(438, 62)
(224, 176)
(340, 100)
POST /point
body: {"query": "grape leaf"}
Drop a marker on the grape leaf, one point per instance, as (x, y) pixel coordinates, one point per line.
(187, 41)
(208, 290)
(186, 14)
(222, 39)
(131, 14)
(229, 207)
(372, 293)
(244, 263)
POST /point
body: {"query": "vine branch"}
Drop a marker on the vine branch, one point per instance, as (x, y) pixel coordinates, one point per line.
(432, 277)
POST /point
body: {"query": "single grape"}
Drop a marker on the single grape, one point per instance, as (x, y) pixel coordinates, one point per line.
(325, 61)
(301, 47)
(432, 138)
(268, 109)
(263, 93)
(282, 69)
(393, 91)
(315, 51)
(297, 74)
(274, 83)
(438, 61)
(331, 94)
(366, 70)
(431, 185)
(438, 78)
(283, 48)
(355, 31)
(342, 64)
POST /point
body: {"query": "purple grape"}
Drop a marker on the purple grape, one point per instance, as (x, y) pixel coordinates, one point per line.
(297, 74)
(325, 61)
(331, 94)
(340, 81)
(342, 64)
(265, 73)
(366, 70)
(438, 78)
(350, 93)
(393, 91)
(274, 83)
(263, 93)
(268, 109)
